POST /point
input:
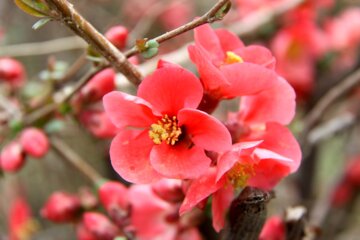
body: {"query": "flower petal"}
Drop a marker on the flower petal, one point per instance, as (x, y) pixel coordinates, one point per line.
(200, 189)
(211, 77)
(170, 89)
(280, 140)
(258, 55)
(276, 104)
(127, 110)
(220, 205)
(206, 37)
(247, 78)
(130, 153)
(228, 40)
(204, 130)
(179, 161)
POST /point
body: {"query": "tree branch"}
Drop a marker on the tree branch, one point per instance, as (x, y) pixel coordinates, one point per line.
(75, 160)
(209, 17)
(65, 12)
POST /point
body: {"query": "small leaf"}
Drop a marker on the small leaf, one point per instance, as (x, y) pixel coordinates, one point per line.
(41, 23)
(151, 52)
(16, 126)
(152, 44)
(35, 8)
(54, 126)
(223, 11)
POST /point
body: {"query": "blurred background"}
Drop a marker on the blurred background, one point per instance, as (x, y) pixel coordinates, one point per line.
(316, 45)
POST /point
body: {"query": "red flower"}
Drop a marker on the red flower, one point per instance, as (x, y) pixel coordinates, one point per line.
(21, 223)
(61, 207)
(100, 226)
(34, 142)
(168, 135)
(263, 162)
(12, 157)
(114, 198)
(154, 218)
(229, 69)
(117, 35)
(297, 48)
(12, 72)
(274, 229)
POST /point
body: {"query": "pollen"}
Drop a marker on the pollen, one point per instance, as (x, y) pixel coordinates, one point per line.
(239, 174)
(166, 129)
(232, 58)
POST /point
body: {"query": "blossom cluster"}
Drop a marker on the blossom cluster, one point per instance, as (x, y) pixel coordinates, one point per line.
(167, 132)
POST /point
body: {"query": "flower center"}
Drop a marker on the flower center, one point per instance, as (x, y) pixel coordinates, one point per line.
(166, 129)
(239, 174)
(232, 58)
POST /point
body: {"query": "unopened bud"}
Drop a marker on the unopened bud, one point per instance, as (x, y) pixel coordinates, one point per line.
(12, 157)
(117, 35)
(61, 207)
(34, 142)
(100, 226)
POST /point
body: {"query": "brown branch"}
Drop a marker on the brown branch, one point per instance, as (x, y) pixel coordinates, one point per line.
(314, 116)
(75, 160)
(43, 48)
(209, 17)
(64, 97)
(247, 214)
(65, 12)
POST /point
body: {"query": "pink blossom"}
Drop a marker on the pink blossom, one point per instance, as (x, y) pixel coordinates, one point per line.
(168, 135)
(12, 72)
(274, 229)
(100, 226)
(229, 69)
(98, 123)
(12, 157)
(154, 218)
(21, 223)
(117, 35)
(34, 142)
(61, 207)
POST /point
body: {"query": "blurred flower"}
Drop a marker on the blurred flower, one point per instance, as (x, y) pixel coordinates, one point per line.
(21, 224)
(100, 226)
(12, 72)
(154, 218)
(12, 157)
(274, 229)
(34, 142)
(61, 207)
(117, 35)
(168, 135)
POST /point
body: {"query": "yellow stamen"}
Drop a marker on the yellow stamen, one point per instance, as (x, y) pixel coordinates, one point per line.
(239, 174)
(232, 58)
(166, 129)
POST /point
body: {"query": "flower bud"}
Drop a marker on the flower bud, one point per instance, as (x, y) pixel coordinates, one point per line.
(83, 233)
(12, 71)
(117, 35)
(114, 197)
(12, 157)
(61, 207)
(274, 228)
(100, 226)
(87, 198)
(353, 172)
(169, 190)
(34, 142)
(342, 194)
(98, 123)
(102, 83)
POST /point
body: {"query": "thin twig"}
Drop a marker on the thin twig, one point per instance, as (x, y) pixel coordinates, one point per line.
(75, 160)
(43, 48)
(209, 17)
(65, 12)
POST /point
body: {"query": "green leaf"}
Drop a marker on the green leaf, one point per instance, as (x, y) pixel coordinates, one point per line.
(54, 126)
(36, 8)
(41, 23)
(151, 52)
